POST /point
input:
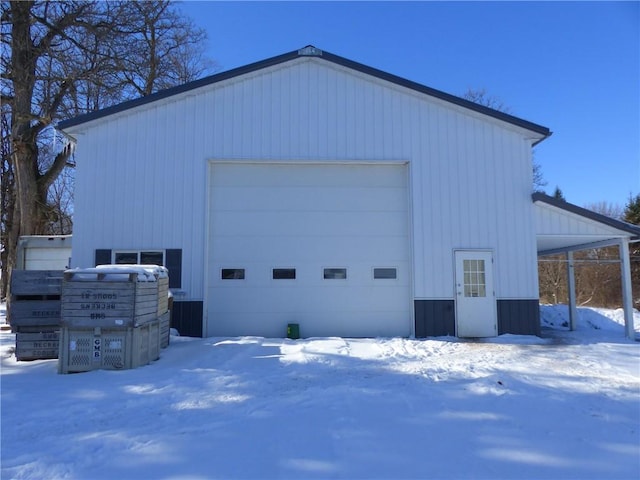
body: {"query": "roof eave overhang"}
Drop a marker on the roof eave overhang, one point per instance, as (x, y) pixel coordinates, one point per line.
(170, 92)
(622, 230)
(634, 230)
(583, 246)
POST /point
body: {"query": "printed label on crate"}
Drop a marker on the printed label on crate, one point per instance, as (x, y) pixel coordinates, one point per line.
(98, 306)
(72, 345)
(98, 301)
(39, 354)
(45, 344)
(36, 345)
(91, 295)
(115, 344)
(45, 313)
(97, 343)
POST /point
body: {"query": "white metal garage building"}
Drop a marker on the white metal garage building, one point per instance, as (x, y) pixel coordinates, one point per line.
(310, 189)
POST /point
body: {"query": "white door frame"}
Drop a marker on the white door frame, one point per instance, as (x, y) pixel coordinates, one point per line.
(476, 314)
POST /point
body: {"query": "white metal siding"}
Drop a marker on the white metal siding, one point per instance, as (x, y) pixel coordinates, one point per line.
(557, 228)
(555, 221)
(141, 174)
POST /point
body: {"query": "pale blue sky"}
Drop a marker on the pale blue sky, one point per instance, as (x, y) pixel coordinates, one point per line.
(573, 67)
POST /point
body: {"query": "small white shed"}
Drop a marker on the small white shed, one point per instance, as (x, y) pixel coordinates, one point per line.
(44, 252)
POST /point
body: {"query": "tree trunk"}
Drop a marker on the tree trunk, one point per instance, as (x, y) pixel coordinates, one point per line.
(55, 47)
(9, 261)
(25, 150)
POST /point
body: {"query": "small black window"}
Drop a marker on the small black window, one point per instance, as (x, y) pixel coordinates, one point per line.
(335, 273)
(284, 274)
(385, 273)
(170, 258)
(233, 274)
(148, 257)
(126, 258)
(151, 258)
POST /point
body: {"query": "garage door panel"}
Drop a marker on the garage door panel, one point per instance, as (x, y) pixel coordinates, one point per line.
(269, 223)
(274, 325)
(368, 247)
(359, 275)
(327, 250)
(302, 299)
(309, 217)
(311, 199)
(308, 175)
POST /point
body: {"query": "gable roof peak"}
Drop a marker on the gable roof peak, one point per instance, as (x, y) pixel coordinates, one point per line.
(310, 51)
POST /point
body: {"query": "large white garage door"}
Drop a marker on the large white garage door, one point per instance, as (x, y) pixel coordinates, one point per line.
(322, 245)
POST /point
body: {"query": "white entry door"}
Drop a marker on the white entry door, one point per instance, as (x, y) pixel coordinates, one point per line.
(475, 298)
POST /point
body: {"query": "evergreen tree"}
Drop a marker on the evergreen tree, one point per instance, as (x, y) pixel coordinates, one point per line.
(632, 215)
(632, 210)
(557, 193)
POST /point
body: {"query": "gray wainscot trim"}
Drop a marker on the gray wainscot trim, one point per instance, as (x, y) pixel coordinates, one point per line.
(186, 317)
(434, 318)
(519, 317)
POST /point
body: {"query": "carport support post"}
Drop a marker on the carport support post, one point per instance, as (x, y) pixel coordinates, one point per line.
(571, 287)
(627, 302)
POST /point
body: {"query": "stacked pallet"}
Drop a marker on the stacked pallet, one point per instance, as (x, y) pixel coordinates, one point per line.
(164, 316)
(34, 313)
(162, 281)
(109, 319)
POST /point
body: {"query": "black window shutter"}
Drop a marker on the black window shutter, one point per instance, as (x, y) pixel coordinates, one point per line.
(103, 257)
(173, 262)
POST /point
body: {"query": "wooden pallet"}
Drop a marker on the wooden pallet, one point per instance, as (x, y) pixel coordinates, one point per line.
(91, 298)
(86, 349)
(35, 298)
(34, 313)
(37, 345)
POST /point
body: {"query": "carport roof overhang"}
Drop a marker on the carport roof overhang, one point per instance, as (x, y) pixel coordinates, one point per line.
(563, 227)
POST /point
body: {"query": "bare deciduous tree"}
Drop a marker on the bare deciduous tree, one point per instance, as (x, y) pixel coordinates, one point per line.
(597, 271)
(62, 59)
(162, 48)
(631, 215)
(481, 97)
(608, 209)
(8, 234)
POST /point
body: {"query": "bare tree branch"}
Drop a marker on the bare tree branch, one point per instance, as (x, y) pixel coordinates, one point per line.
(61, 59)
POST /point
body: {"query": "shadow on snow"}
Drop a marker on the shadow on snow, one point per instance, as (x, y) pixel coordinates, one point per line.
(259, 408)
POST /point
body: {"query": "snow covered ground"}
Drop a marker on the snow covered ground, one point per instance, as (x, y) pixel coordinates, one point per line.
(563, 406)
